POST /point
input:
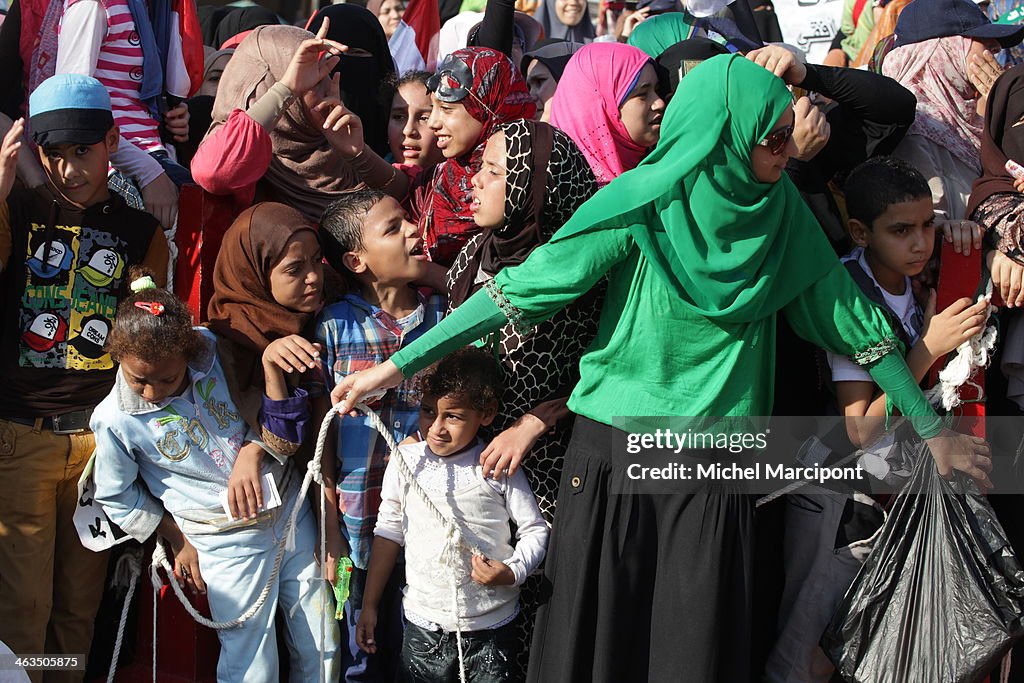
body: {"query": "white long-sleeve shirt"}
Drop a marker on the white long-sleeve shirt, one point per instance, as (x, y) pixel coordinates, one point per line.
(452, 472)
(450, 480)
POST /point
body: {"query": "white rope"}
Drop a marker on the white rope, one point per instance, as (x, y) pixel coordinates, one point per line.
(126, 573)
(1004, 669)
(323, 563)
(457, 536)
(160, 560)
(972, 355)
(156, 596)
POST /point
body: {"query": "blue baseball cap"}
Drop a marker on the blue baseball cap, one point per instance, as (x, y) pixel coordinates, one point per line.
(69, 109)
(926, 19)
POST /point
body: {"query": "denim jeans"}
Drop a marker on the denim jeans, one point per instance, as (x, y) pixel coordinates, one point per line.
(433, 656)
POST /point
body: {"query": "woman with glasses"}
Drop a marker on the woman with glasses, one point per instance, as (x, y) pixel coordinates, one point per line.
(703, 245)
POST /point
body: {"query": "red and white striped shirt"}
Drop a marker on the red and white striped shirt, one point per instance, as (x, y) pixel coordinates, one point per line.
(98, 38)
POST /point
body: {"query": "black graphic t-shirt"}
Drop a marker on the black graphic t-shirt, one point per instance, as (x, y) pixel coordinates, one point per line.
(64, 272)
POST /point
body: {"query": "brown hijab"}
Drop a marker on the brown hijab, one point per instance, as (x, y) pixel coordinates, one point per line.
(304, 170)
(1001, 140)
(242, 308)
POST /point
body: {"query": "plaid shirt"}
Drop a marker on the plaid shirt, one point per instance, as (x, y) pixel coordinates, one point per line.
(356, 336)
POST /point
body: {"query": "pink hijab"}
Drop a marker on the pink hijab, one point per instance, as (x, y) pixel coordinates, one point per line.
(947, 104)
(586, 106)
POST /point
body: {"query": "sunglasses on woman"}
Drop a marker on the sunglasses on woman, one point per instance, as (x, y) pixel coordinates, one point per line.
(777, 140)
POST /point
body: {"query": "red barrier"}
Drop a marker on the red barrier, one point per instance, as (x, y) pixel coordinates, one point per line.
(186, 652)
(960, 276)
(202, 221)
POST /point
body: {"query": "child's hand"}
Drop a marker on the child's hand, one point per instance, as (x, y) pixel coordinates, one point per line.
(245, 485)
(160, 197)
(507, 450)
(962, 235)
(945, 331)
(342, 128)
(186, 567)
(491, 572)
(364, 630)
(1007, 278)
(969, 454)
(9, 157)
(337, 548)
(176, 122)
(292, 354)
(310, 65)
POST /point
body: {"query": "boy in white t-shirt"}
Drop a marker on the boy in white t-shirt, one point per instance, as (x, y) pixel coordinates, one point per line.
(460, 394)
(827, 534)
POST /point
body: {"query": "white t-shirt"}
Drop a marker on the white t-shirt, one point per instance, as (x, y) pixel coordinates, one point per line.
(903, 305)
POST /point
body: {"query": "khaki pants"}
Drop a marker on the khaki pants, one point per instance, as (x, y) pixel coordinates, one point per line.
(50, 586)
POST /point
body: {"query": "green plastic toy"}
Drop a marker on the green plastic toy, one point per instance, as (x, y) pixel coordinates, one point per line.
(344, 576)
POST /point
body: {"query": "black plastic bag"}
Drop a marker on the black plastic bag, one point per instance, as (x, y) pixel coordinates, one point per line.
(940, 598)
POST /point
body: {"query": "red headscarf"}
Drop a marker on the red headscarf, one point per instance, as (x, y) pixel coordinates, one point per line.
(494, 93)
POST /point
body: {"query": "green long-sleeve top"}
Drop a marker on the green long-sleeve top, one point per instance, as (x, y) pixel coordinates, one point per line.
(654, 356)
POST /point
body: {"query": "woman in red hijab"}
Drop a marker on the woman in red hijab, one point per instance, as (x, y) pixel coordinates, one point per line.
(474, 92)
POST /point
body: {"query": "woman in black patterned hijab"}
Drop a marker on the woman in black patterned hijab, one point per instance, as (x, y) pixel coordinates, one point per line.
(520, 209)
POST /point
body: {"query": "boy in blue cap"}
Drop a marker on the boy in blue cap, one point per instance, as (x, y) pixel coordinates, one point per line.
(65, 250)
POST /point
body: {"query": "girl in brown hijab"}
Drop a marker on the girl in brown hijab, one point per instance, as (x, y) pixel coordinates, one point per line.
(268, 282)
(266, 140)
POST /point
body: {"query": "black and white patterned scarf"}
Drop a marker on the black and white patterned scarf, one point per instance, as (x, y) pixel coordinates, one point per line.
(536, 205)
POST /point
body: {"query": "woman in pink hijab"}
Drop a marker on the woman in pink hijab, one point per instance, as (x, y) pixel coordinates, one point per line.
(607, 102)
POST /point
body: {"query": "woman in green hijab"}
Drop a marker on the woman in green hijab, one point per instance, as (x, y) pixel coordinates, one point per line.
(704, 245)
(660, 32)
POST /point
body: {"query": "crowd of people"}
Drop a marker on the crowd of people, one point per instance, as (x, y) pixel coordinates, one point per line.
(570, 220)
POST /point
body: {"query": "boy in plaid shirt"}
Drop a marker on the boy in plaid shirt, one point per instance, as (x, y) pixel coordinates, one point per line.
(367, 239)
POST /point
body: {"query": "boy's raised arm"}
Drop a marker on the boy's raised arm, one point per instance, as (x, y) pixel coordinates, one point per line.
(9, 157)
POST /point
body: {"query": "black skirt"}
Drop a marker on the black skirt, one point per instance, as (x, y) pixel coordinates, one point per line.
(653, 587)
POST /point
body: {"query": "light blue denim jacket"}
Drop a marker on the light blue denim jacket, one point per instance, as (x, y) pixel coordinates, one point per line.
(177, 455)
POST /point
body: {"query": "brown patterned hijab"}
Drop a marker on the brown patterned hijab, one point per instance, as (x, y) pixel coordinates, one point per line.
(305, 171)
(242, 308)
